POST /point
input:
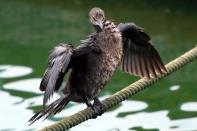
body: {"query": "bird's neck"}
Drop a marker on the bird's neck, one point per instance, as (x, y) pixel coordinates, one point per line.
(110, 27)
(97, 28)
(109, 37)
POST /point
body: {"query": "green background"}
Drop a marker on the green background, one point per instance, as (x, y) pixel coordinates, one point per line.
(30, 29)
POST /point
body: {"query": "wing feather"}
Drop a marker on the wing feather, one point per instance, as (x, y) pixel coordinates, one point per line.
(139, 55)
(61, 59)
(151, 66)
(141, 65)
(133, 64)
(129, 63)
(58, 64)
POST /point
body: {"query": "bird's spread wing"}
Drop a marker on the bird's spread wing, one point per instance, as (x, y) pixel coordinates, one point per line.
(58, 64)
(60, 61)
(139, 55)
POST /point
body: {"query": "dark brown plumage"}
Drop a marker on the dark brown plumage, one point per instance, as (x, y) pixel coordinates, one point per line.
(93, 63)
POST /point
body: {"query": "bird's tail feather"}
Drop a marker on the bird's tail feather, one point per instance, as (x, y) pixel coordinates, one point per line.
(52, 109)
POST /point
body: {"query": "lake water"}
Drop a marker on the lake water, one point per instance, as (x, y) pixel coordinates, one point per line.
(29, 30)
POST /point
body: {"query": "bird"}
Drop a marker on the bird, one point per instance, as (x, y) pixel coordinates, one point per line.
(92, 64)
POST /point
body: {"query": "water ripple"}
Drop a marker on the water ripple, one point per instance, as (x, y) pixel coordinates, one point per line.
(11, 71)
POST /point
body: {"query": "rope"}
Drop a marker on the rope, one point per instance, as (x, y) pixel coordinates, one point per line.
(123, 94)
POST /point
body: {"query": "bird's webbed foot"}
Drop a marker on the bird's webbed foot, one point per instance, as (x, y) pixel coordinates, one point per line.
(98, 107)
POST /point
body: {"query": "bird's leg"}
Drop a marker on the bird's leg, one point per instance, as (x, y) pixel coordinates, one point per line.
(87, 101)
(98, 107)
(89, 104)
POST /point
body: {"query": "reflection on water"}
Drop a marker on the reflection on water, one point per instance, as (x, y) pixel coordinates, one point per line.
(15, 111)
(10, 71)
(174, 88)
(28, 85)
(189, 106)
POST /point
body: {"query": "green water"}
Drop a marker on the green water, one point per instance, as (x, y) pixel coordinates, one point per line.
(30, 29)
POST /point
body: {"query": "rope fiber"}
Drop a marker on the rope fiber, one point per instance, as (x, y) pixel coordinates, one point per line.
(81, 116)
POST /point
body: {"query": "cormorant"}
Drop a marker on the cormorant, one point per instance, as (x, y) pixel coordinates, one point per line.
(92, 64)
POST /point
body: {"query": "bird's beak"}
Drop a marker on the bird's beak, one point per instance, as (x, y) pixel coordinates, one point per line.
(100, 23)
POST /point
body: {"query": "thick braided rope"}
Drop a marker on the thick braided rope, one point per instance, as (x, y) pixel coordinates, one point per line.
(123, 94)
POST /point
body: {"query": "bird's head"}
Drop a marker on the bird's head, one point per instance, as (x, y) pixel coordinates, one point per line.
(97, 17)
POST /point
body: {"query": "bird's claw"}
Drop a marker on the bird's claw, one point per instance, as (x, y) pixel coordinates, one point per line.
(98, 109)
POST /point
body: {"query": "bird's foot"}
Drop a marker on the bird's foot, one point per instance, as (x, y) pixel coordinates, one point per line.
(98, 107)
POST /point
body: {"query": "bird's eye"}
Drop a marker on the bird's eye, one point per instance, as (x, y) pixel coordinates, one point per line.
(94, 18)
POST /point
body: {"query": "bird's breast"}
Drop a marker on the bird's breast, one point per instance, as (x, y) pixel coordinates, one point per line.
(110, 44)
(101, 67)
